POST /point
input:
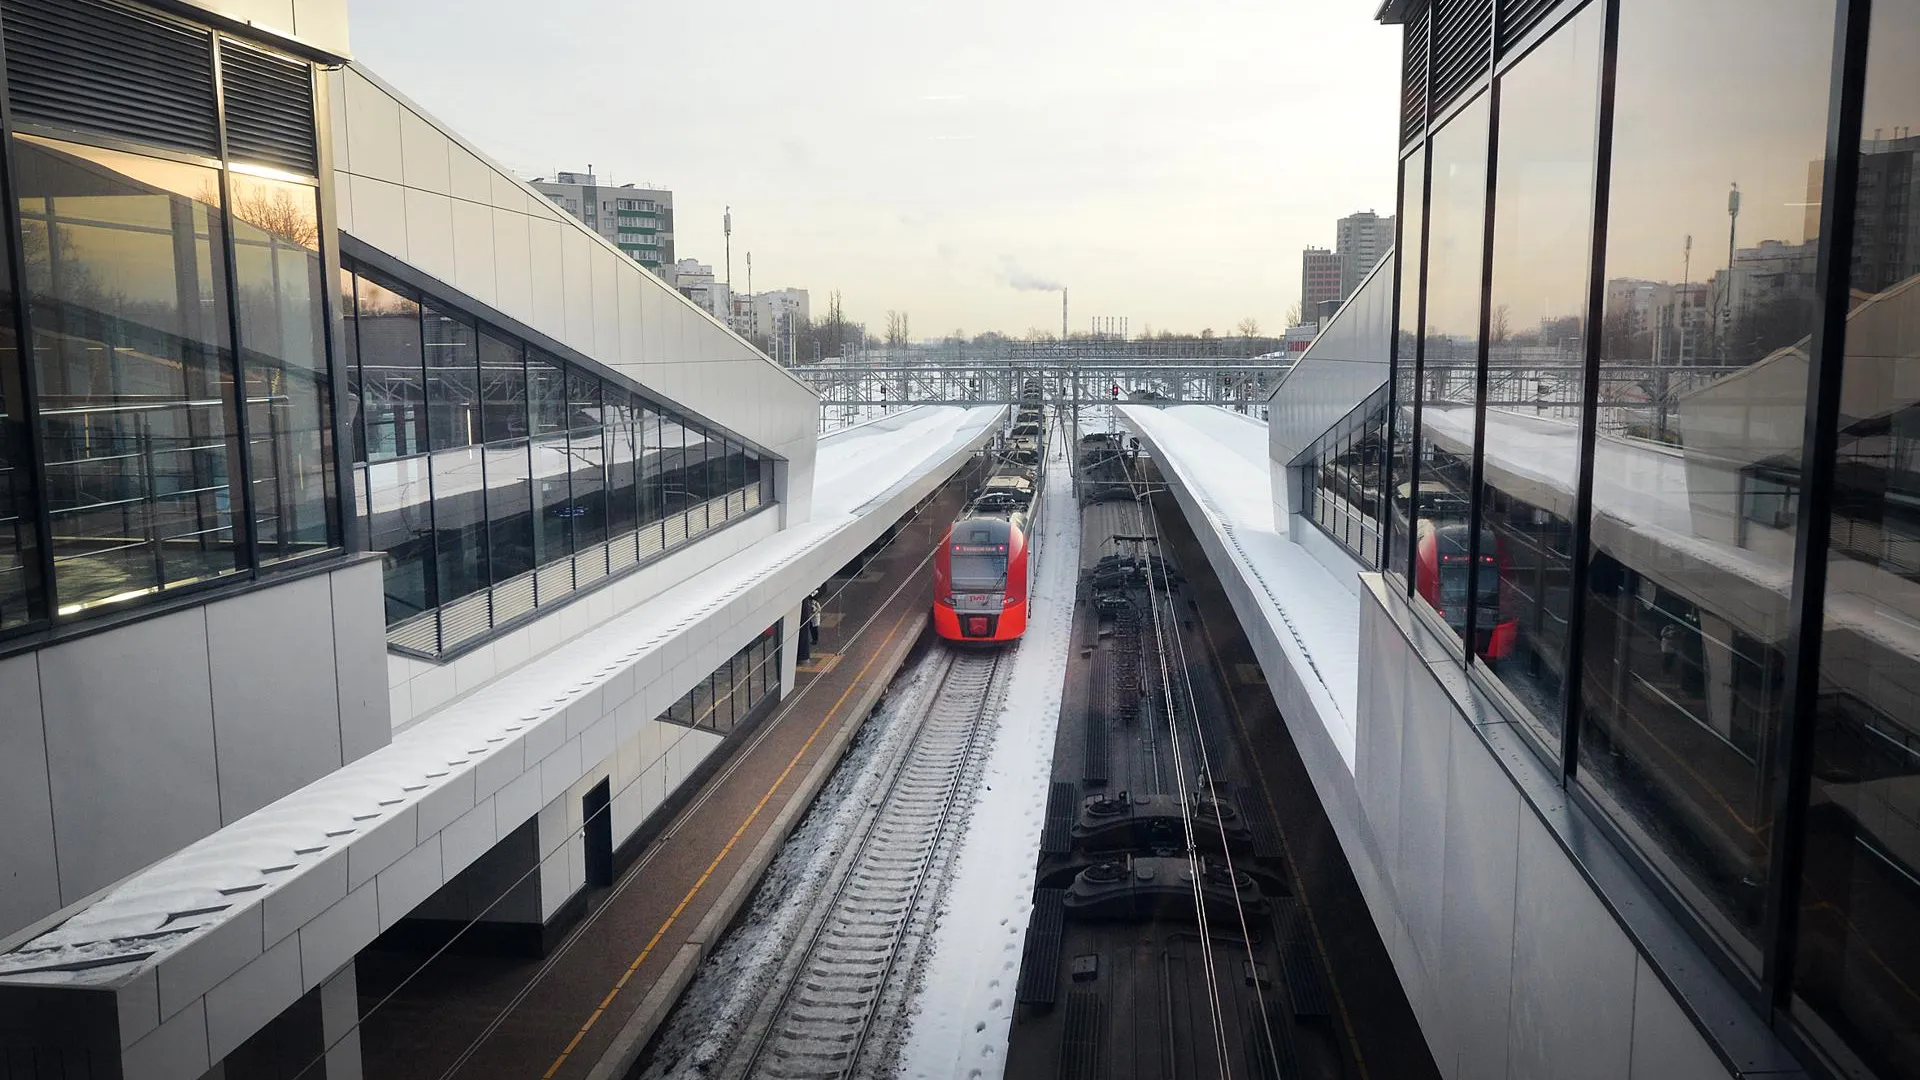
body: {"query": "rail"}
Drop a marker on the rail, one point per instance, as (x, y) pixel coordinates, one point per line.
(820, 1020)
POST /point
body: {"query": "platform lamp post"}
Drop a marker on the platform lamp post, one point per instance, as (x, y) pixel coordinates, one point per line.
(1726, 310)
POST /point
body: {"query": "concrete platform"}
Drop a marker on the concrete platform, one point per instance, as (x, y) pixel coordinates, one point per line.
(589, 1008)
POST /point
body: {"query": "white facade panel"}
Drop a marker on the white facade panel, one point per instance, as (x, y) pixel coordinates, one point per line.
(470, 178)
(507, 195)
(423, 155)
(1418, 878)
(1573, 971)
(513, 264)
(322, 24)
(1476, 934)
(244, 1003)
(606, 305)
(430, 232)
(373, 131)
(380, 214)
(273, 736)
(1665, 1042)
(549, 276)
(576, 253)
(29, 880)
(342, 201)
(117, 747)
(629, 293)
(473, 255)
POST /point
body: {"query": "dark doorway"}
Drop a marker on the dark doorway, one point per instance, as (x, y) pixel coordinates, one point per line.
(596, 812)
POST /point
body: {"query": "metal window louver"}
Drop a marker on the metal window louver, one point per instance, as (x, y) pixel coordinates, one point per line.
(269, 108)
(1462, 40)
(1517, 17)
(1413, 77)
(102, 68)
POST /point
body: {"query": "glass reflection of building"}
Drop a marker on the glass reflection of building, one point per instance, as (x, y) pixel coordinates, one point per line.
(1593, 463)
(174, 427)
(172, 424)
(498, 478)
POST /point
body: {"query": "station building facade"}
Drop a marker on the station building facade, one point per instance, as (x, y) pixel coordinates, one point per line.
(1619, 452)
(316, 425)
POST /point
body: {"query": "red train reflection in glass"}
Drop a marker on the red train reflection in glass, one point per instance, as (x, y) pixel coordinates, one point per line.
(1443, 578)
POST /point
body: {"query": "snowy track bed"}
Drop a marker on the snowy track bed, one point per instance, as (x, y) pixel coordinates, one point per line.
(824, 1016)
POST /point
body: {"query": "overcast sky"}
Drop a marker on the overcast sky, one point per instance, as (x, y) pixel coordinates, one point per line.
(1165, 162)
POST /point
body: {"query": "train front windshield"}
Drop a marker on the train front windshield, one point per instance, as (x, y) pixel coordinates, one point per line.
(1453, 585)
(979, 571)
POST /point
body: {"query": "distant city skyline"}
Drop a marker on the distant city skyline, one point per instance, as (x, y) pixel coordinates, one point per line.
(956, 165)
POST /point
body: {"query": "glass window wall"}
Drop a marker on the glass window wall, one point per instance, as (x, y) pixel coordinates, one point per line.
(1858, 970)
(22, 593)
(283, 356)
(1536, 372)
(1686, 616)
(492, 459)
(452, 378)
(728, 696)
(1449, 354)
(181, 426)
(587, 463)
(393, 400)
(1341, 479)
(133, 357)
(1406, 350)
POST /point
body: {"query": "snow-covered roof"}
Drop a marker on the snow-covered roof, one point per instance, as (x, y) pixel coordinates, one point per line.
(1220, 458)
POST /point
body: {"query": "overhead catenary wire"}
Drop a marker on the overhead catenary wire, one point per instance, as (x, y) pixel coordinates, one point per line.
(1195, 868)
(1206, 775)
(1207, 778)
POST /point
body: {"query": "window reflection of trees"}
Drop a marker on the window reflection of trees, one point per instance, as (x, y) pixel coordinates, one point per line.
(137, 419)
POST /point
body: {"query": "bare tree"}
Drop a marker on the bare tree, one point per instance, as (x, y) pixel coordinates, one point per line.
(274, 211)
(1249, 327)
(1502, 328)
(1293, 313)
(897, 331)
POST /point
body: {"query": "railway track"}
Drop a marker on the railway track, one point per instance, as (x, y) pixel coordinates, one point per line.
(826, 1015)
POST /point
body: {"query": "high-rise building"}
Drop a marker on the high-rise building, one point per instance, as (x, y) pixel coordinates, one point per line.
(694, 280)
(1889, 191)
(1360, 240)
(639, 221)
(777, 318)
(1319, 279)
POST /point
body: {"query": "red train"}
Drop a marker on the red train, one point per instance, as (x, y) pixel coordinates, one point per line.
(1443, 578)
(984, 565)
(982, 569)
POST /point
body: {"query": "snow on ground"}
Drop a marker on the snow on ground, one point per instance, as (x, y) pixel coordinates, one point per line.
(964, 1006)
(732, 981)
(1220, 458)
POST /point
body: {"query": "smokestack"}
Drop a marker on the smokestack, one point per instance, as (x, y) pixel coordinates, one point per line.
(1063, 315)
